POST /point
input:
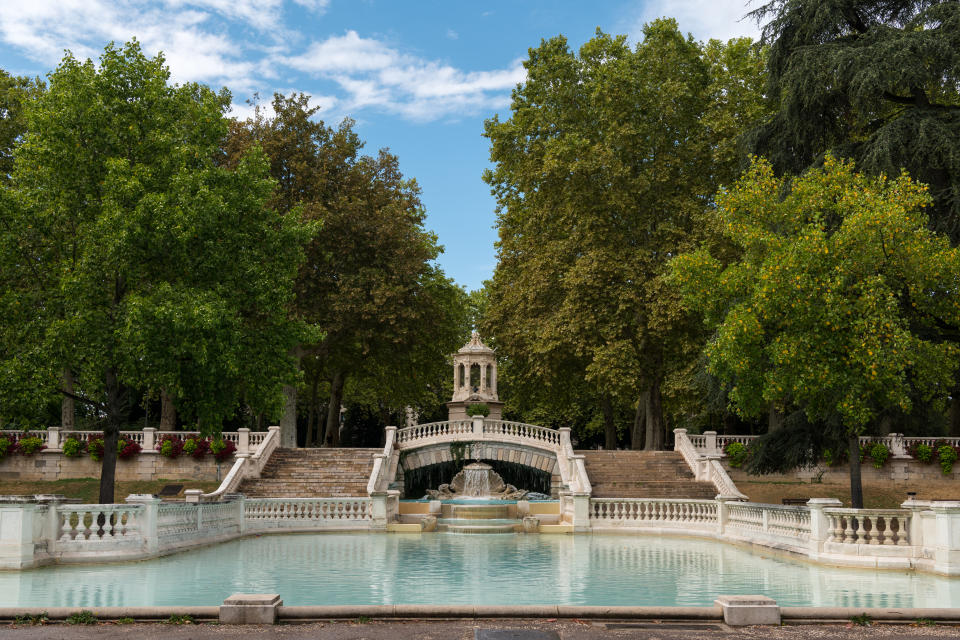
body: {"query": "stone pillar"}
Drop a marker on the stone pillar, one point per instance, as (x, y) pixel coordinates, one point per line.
(678, 435)
(148, 519)
(723, 514)
(149, 439)
(493, 380)
(711, 442)
(581, 512)
(17, 535)
(917, 507)
(53, 437)
(243, 441)
(250, 608)
(946, 548)
(192, 495)
(378, 515)
(478, 425)
(819, 523)
(897, 448)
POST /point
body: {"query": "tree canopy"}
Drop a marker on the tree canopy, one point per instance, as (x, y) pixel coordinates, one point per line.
(600, 176)
(842, 303)
(131, 260)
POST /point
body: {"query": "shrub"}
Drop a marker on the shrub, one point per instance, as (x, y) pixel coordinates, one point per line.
(30, 445)
(126, 449)
(95, 448)
(737, 454)
(222, 449)
(946, 455)
(196, 447)
(170, 446)
(921, 452)
(879, 452)
(5, 444)
(73, 447)
(478, 409)
(180, 619)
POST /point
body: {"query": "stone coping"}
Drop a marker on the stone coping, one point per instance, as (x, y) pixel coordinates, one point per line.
(307, 613)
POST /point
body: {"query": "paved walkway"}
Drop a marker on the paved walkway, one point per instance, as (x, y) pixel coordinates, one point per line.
(468, 630)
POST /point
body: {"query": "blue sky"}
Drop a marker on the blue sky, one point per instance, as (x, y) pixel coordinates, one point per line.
(418, 76)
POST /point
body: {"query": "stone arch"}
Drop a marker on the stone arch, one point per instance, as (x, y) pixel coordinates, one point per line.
(437, 453)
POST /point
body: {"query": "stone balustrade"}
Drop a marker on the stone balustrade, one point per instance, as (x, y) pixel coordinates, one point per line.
(147, 438)
(898, 445)
(868, 526)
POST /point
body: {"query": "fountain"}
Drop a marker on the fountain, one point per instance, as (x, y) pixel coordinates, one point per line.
(475, 502)
(477, 480)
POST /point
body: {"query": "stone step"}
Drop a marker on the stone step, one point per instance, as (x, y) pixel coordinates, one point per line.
(313, 473)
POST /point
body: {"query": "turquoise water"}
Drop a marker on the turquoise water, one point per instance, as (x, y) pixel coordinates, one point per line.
(326, 569)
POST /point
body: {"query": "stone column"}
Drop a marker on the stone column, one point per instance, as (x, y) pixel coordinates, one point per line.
(946, 548)
(819, 523)
(483, 378)
(149, 439)
(711, 442)
(493, 381)
(243, 441)
(148, 519)
(53, 437)
(478, 426)
(17, 535)
(581, 512)
(917, 507)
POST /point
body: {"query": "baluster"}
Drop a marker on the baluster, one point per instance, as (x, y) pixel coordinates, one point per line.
(874, 529)
(888, 530)
(902, 529)
(848, 533)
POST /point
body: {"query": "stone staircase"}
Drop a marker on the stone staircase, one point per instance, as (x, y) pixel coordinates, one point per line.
(313, 473)
(643, 474)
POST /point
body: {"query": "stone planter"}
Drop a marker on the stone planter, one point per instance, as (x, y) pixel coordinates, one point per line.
(531, 524)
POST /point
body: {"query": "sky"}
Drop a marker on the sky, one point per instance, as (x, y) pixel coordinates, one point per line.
(418, 77)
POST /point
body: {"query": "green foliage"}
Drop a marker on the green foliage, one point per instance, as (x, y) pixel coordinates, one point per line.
(81, 617)
(835, 303)
(862, 620)
(478, 409)
(170, 446)
(876, 81)
(879, 453)
(459, 451)
(924, 622)
(923, 453)
(600, 174)
(30, 445)
(222, 449)
(5, 444)
(132, 257)
(73, 448)
(737, 454)
(180, 619)
(946, 455)
(124, 621)
(32, 619)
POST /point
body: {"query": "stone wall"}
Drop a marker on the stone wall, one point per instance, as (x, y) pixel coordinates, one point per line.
(895, 471)
(145, 466)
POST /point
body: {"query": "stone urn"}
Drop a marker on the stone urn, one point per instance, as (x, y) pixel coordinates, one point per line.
(531, 524)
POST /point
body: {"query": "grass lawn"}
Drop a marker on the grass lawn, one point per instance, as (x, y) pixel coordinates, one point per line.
(88, 489)
(886, 496)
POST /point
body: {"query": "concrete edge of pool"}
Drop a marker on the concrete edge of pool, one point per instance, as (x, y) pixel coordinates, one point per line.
(269, 609)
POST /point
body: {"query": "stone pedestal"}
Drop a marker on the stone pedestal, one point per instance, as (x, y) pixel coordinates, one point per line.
(250, 608)
(740, 611)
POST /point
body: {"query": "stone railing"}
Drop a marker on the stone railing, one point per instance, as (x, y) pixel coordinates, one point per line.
(641, 512)
(35, 534)
(709, 443)
(433, 431)
(245, 466)
(521, 431)
(922, 535)
(706, 467)
(147, 438)
(307, 514)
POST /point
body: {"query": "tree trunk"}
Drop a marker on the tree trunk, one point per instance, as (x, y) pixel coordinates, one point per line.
(111, 434)
(639, 421)
(856, 486)
(313, 421)
(654, 435)
(955, 411)
(774, 419)
(68, 406)
(168, 412)
(288, 422)
(332, 432)
(609, 426)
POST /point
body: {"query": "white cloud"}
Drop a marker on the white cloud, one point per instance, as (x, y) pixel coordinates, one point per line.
(452, 35)
(376, 75)
(247, 46)
(705, 19)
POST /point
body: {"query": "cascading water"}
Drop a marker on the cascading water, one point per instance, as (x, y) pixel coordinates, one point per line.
(476, 480)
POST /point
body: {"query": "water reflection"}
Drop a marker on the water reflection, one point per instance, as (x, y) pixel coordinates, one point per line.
(471, 569)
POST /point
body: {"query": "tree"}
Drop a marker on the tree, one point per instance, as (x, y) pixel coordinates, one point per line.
(383, 315)
(142, 264)
(14, 90)
(600, 175)
(842, 304)
(877, 81)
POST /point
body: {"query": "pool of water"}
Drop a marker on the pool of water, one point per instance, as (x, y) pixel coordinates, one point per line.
(327, 569)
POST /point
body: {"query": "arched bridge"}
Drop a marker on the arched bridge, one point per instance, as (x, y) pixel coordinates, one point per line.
(542, 448)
